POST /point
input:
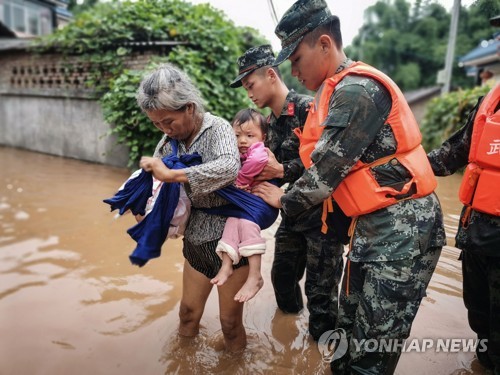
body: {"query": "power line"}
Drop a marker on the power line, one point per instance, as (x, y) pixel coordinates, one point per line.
(273, 12)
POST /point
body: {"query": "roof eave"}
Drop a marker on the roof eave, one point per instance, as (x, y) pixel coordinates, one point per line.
(481, 60)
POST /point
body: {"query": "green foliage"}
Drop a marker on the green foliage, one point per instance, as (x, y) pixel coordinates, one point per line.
(408, 75)
(447, 113)
(130, 124)
(80, 6)
(399, 39)
(103, 35)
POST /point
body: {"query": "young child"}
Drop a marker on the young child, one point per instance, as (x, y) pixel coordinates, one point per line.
(242, 237)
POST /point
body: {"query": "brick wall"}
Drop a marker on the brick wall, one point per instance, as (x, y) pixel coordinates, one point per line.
(47, 106)
(27, 73)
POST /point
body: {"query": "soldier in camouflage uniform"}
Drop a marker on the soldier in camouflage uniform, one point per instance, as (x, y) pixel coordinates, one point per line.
(300, 245)
(479, 239)
(393, 250)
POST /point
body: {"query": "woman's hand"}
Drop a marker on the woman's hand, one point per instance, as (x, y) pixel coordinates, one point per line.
(273, 169)
(270, 193)
(160, 170)
(156, 167)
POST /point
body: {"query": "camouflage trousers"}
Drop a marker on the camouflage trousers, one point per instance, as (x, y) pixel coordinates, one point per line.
(379, 301)
(481, 289)
(321, 257)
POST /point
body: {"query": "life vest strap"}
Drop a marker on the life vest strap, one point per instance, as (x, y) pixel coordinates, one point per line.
(327, 208)
(466, 218)
(350, 233)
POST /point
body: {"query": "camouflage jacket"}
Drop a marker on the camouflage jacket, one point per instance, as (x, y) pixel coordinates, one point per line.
(281, 140)
(354, 130)
(284, 144)
(482, 235)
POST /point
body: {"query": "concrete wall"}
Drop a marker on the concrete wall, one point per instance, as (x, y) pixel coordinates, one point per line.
(69, 127)
(46, 106)
(419, 108)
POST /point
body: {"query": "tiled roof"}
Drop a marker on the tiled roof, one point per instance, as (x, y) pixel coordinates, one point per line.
(487, 51)
(416, 95)
(9, 44)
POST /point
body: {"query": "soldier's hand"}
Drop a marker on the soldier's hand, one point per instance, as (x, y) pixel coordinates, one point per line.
(270, 193)
(273, 169)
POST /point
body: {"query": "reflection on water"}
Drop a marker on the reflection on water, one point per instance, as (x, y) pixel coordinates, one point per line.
(71, 302)
(448, 277)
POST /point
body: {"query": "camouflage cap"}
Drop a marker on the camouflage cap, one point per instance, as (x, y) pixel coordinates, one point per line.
(302, 17)
(495, 21)
(253, 58)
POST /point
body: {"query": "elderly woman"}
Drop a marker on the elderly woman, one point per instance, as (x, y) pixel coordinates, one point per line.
(174, 105)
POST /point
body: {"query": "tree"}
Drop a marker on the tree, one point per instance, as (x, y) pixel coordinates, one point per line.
(103, 34)
(78, 6)
(401, 40)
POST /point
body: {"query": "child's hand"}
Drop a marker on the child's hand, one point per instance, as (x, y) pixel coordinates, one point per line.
(243, 187)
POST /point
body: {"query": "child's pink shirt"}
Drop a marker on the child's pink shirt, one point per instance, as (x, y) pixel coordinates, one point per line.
(252, 163)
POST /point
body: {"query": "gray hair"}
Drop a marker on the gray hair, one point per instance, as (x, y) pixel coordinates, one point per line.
(168, 88)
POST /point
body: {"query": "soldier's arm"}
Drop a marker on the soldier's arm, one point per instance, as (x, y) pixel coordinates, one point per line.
(294, 168)
(454, 152)
(353, 121)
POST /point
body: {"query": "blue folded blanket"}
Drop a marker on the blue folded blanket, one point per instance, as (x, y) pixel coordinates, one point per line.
(151, 232)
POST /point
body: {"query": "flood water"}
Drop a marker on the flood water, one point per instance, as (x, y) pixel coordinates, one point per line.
(71, 302)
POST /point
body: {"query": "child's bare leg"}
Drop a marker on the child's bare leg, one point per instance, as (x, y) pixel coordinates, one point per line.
(254, 280)
(226, 270)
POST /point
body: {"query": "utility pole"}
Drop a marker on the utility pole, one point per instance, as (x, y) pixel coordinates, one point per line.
(450, 52)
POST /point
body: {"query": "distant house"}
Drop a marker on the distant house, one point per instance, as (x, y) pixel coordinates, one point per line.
(32, 18)
(418, 100)
(483, 61)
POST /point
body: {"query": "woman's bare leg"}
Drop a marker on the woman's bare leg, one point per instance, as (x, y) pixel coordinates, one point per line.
(231, 311)
(196, 288)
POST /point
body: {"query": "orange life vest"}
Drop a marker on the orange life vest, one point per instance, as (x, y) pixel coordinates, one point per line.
(480, 188)
(359, 193)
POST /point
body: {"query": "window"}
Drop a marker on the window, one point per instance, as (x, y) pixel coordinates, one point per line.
(7, 19)
(45, 22)
(19, 21)
(26, 17)
(33, 22)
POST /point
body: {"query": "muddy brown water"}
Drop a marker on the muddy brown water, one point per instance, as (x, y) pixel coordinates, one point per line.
(71, 302)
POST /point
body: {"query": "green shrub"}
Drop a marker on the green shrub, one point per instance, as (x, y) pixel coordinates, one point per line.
(448, 113)
(211, 46)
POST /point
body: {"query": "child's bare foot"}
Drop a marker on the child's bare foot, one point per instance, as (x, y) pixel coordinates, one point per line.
(226, 270)
(222, 276)
(249, 289)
